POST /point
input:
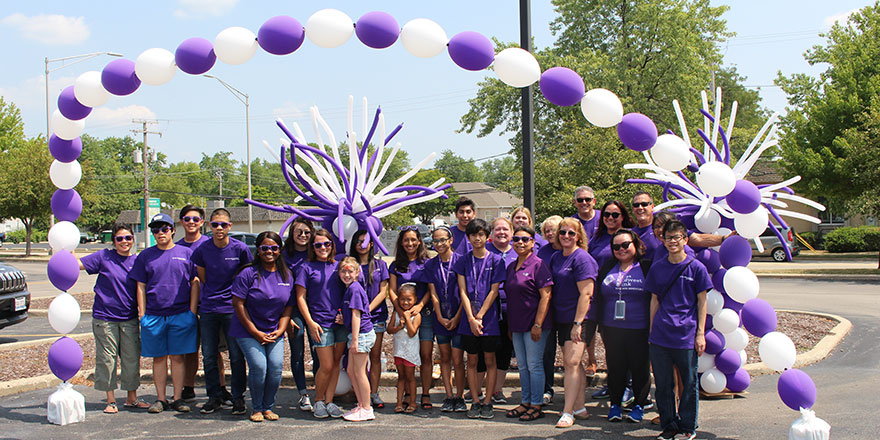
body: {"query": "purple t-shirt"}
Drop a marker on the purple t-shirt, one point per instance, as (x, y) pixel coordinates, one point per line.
(479, 275)
(600, 248)
(567, 271)
(265, 298)
(522, 292)
(168, 277)
(414, 274)
(115, 292)
(295, 259)
(507, 258)
(628, 286)
(221, 265)
(355, 298)
(380, 273)
(545, 253)
(324, 290)
(460, 243)
(193, 245)
(649, 239)
(675, 323)
(445, 283)
(540, 242)
(591, 225)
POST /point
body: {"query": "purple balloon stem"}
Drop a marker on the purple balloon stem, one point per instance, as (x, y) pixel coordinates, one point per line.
(393, 133)
(339, 213)
(284, 163)
(700, 158)
(374, 235)
(726, 145)
(339, 169)
(710, 144)
(370, 134)
(286, 131)
(404, 199)
(285, 225)
(366, 204)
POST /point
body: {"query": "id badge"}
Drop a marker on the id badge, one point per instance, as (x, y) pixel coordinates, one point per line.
(619, 310)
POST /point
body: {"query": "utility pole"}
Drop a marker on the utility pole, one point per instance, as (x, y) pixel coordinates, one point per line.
(220, 174)
(145, 154)
(527, 100)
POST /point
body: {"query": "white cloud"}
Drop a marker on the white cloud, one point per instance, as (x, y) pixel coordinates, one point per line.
(51, 29)
(31, 94)
(291, 110)
(841, 17)
(203, 8)
(103, 117)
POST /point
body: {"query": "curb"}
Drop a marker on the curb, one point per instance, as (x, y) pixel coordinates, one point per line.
(817, 276)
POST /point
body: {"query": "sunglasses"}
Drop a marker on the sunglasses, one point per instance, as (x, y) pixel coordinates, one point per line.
(611, 214)
(519, 238)
(322, 244)
(642, 204)
(624, 245)
(191, 219)
(222, 225)
(584, 199)
(568, 232)
(302, 232)
(410, 228)
(267, 248)
(162, 229)
(121, 238)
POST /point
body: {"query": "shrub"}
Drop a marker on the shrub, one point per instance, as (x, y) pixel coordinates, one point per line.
(814, 238)
(19, 236)
(849, 239)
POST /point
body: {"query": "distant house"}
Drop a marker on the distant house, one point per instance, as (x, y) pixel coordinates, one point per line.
(491, 203)
(264, 219)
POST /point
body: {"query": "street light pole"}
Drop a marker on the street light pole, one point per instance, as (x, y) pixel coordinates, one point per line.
(527, 99)
(245, 99)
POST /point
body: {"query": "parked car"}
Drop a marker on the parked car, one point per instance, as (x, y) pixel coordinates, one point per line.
(2, 237)
(773, 247)
(425, 233)
(15, 299)
(85, 237)
(248, 238)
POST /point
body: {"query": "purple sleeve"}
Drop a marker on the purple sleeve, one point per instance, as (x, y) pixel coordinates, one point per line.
(291, 302)
(359, 300)
(461, 266)
(198, 257)
(139, 270)
(652, 279)
(702, 280)
(585, 267)
(301, 276)
(543, 276)
(92, 262)
(499, 271)
(242, 283)
(383, 270)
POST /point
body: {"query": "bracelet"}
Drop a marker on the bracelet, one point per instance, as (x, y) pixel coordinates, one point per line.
(537, 325)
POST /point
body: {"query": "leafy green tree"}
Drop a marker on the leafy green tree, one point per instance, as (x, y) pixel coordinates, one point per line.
(11, 125)
(25, 188)
(426, 211)
(504, 174)
(456, 168)
(110, 182)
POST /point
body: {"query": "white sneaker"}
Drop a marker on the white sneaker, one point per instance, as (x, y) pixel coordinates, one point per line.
(305, 403)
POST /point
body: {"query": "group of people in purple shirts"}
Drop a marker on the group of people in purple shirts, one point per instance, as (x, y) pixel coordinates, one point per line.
(493, 290)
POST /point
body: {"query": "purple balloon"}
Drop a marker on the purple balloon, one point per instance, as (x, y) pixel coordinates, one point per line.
(728, 223)
(118, 77)
(735, 251)
(471, 50)
(727, 361)
(378, 30)
(718, 279)
(796, 389)
(562, 86)
(65, 358)
(280, 35)
(745, 197)
(66, 204)
(710, 259)
(637, 132)
(64, 150)
(739, 380)
(730, 303)
(714, 342)
(758, 317)
(70, 107)
(195, 56)
(63, 270)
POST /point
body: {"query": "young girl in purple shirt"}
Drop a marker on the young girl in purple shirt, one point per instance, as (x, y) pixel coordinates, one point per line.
(362, 338)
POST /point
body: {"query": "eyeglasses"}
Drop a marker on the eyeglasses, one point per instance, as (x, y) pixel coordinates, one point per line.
(568, 232)
(642, 204)
(267, 248)
(322, 244)
(675, 238)
(302, 232)
(624, 245)
(441, 241)
(221, 225)
(120, 238)
(584, 199)
(520, 238)
(611, 214)
(162, 229)
(191, 219)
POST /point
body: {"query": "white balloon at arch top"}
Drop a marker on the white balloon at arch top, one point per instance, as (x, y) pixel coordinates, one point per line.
(89, 91)
(154, 66)
(64, 235)
(602, 108)
(423, 38)
(709, 221)
(517, 67)
(329, 28)
(65, 128)
(236, 45)
(65, 175)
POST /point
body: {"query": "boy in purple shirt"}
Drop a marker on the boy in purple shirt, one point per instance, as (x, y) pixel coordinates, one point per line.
(192, 218)
(167, 297)
(480, 274)
(356, 317)
(465, 211)
(217, 261)
(678, 288)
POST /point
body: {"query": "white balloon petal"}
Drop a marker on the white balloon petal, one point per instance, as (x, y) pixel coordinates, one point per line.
(235, 45)
(716, 179)
(89, 91)
(741, 284)
(329, 28)
(65, 175)
(705, 362)
(154, 66)
(713, 381)
(64, 235)
(64, 313)
(753, 224)
(517, 67)
(602, 108)
(423, 38)
(777, 351)
(671, 152)
(709, 221)
(65, 128)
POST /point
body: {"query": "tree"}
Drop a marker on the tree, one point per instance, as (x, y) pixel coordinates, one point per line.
(504, 174)
(456, 168)
(25, 188)
(830, 130)
(11, 125)
(110, 182)
(426, 211)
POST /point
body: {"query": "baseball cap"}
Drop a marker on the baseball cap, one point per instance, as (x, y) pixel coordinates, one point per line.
(160, 218)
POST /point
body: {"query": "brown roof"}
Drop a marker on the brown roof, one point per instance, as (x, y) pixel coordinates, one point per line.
(764, 172)
(484, 196)
(239, 214)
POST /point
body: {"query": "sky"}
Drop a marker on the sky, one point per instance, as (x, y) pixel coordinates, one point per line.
(197, 115)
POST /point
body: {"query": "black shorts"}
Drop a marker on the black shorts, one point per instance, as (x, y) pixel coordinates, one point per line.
(479, 344)
(563, 331)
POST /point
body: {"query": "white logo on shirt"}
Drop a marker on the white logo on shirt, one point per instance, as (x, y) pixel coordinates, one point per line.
(284, 284)
(231, 259)
(178, 258)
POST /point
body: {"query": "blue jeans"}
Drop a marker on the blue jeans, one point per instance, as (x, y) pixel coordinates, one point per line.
(211, 324)
(264, 375)
(530, 358)
(663, 359)
(297, 352)
(550, 360)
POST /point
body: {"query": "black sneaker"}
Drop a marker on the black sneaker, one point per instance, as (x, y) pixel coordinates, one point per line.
(238, 406)
(460, 406)
(210, 406)
(474, 412)
(667, 434)
(180, 405)
(225, 399)
(486, 411)
(189, 393)
(448, 405)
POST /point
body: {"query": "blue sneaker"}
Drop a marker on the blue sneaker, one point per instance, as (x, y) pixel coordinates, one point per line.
(636, 414)
(601, 394)
(614, 414)
(628, 396)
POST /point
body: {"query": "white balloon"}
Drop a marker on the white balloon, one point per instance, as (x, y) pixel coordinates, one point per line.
(235, 45)
(736, 340)
(714, 302)
(329, 28)
(713, 381)
(89, 91)
(777, 351)
(716, 179)
(602, 108)
(154, 66)
(722, 232)
(705, 362)
(753, 224)
(741, 284)
(343, 385)
(671, 152)
(517, 67)
(64, 313)
(709, 221)
(64, 235)
(424, 38)
(743, 358)
(65, 128)
(349, 227)
(65, 175)
(725, 321)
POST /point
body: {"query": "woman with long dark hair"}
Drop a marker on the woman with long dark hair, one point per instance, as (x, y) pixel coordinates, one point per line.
(296, 251)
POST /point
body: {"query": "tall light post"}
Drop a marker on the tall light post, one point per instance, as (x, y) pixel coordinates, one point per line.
(243, 97)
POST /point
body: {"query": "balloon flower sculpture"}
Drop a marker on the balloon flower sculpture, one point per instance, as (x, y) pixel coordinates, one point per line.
(346, 197)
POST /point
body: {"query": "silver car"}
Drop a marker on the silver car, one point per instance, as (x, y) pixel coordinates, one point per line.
(773, 247)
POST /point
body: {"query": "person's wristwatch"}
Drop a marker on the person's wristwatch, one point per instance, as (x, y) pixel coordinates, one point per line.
(537, 325)
(578, 323)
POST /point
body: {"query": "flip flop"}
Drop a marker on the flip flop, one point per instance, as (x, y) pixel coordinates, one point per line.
(137, 404)
(111, 408)
(410, 409)
(428, 404)
(591, 370)
(399, 408)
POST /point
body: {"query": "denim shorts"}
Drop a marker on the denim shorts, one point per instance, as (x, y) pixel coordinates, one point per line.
(454, 339)
(426, 328)
(168, 335)
(335, 334)
(379, 326)
(365, 341)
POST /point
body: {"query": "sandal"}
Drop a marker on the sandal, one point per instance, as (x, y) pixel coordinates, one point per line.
(400, 408)
(111, 408)
(565, 421)
(533, 413)
(269, 415)
(257, 417)
(428, 404)
(410, 409)
(137, 404)
(517, 412)
(591, 369)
